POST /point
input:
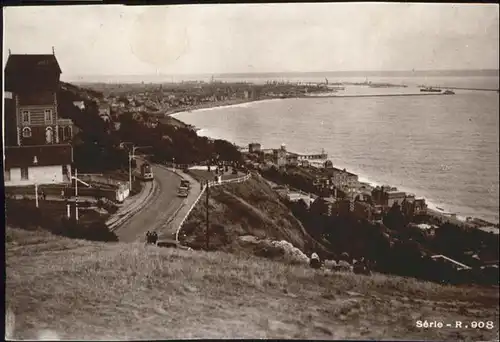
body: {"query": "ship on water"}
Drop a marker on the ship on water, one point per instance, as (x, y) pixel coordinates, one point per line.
(449, 92)
(430, 90)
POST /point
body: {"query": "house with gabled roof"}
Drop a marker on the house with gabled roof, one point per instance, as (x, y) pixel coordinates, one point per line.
(37, 144)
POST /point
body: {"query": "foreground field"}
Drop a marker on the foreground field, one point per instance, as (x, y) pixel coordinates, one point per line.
(72, 289)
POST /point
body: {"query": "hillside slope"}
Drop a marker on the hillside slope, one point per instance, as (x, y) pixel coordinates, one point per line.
(72, 289)
(248, 208)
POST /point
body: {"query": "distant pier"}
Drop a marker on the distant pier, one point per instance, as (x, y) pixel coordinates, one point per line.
(460, 88)
(374, 95)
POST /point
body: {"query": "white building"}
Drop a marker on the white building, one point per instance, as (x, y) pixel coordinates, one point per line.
(79, 104)
(30, 165)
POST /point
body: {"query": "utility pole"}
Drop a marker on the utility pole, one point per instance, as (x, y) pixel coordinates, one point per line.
(76, 195)
(36, 194)
(207, 236)
(130, 156)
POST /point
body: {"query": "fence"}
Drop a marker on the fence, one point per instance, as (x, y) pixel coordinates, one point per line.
(114, 195)
(209, 184)
(227, 181)
(178, 166)
(189, 212)
(98, 178)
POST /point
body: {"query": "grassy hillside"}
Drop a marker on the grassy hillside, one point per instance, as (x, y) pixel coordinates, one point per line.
(249, 208)
(72, 289)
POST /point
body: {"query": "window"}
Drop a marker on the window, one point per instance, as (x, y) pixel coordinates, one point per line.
(26, 132)
(6, 175)
(67, 132)
(48, 116)
(49, 135)
(24, 173)
(60, 131)
(26, 117)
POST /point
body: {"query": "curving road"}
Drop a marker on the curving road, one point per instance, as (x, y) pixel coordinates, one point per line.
(163, 211)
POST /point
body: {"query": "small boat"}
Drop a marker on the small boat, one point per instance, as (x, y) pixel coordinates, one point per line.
(449, 92)
(439, 208)
(431, 90)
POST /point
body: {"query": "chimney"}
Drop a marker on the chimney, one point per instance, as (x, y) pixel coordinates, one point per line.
(9, 52)
(53, 52)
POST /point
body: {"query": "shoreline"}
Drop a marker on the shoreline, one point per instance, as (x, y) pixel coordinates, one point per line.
(240, 102)
(217, 105)
(433, 207)
(237, 103)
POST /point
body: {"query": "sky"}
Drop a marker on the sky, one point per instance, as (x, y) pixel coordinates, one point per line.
(246, 38)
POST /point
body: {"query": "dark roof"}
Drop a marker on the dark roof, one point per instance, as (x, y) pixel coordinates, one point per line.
(32, 72)
(46, 155)
(32, 63)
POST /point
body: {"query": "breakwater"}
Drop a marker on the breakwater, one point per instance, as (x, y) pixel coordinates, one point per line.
(461, 88)
(373, 95)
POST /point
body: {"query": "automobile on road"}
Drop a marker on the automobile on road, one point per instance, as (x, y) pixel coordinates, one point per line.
(183, 193)
(185, 184)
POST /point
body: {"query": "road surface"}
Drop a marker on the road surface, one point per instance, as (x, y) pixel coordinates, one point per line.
(158, 211)
(170, 228)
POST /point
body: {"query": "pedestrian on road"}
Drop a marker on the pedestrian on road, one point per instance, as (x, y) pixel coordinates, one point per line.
(44, 195)
(315, 262)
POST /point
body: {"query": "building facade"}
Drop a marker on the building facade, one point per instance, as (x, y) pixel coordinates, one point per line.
(32, 84)
(28, 165)
(342, 178)
(280, 156)
(395, 197)
(38, 139)
(254, 147)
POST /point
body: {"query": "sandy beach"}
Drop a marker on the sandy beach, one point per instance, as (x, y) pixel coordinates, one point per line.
(216, 105)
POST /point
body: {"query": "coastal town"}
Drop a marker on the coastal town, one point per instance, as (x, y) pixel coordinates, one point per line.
(109, 162)
(205, 171)
(122, 110)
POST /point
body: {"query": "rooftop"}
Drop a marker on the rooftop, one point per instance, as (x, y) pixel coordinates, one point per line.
(396, 192)
(32, 72)
(46, 155)
(490, 229)
(32, 63)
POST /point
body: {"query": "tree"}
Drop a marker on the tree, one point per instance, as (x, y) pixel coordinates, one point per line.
(394, 219)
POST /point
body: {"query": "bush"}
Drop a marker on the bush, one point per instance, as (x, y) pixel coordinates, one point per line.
(269, 251)
(25, 215)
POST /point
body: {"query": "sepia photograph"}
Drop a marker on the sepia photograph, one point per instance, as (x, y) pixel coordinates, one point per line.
(251, 171)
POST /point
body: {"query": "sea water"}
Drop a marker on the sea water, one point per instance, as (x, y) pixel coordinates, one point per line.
(443, 148)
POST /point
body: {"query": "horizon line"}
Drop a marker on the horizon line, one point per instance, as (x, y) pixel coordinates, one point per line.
(290, 72)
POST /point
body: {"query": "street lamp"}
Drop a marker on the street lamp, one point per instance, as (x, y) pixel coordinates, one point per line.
(35, 162)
